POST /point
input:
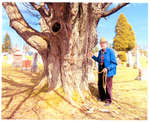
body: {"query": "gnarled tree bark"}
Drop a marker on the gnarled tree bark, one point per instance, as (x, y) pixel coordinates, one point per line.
(68, 34)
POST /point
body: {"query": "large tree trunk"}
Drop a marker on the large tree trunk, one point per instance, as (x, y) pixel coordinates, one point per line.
(67, 59)
(68, 34)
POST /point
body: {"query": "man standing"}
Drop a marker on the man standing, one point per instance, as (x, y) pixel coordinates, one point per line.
(107, 63)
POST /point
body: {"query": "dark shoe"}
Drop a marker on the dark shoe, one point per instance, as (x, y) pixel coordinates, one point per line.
(107, 104)
(99, 99)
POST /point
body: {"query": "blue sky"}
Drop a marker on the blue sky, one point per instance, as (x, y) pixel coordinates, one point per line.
(136, 14)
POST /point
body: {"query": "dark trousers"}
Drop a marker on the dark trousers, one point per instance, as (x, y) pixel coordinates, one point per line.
(108, 95)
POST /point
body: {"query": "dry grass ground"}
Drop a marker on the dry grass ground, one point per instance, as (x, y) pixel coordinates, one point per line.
(20, 102)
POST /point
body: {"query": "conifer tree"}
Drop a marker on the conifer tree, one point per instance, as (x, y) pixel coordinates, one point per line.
(6, 46)
(125, 37)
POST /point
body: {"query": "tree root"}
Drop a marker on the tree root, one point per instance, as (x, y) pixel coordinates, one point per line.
(37, 87)
(18, 106)
(7, 105)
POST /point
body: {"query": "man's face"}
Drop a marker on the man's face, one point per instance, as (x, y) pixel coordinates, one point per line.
(103, 45)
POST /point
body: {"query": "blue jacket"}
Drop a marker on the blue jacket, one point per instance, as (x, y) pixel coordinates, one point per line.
(109, 61)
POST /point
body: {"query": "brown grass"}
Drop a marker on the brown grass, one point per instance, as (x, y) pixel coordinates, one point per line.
(20, 102)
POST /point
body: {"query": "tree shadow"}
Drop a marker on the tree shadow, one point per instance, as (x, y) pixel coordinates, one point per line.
(30, 92)
(35, 76)
(74, 106)
(93, 90)
(11, 93)
(8, 104)
(13, 83)
(127, 81)
(18, 106)
(54, 107)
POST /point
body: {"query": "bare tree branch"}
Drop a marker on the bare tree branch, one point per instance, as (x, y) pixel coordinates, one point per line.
(113, 10)
(103, 4)
(17, 22)
(28, 5)
(46, 16)
(43, 5)
(40, 8)
(30, 10)
(106, 6)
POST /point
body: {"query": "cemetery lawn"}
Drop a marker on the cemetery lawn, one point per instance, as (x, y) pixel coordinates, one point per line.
(130, 98)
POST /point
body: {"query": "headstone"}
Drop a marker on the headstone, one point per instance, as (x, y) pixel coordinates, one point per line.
(137, 59)
(17, 58)
(26, 61)
(34, 63)
(138, 65)
(129, 59)
(10, 59)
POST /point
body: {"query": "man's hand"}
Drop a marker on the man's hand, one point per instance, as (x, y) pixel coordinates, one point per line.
(90, 55)
(105, 70)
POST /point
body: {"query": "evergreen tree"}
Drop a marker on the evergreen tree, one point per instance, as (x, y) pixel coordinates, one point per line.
(6, 46)
(122, 56)
(125, 37)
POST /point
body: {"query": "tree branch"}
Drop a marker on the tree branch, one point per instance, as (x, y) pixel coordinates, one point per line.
(113, 10)
(40, 8)
(17, 22)
(44, 16)
(106, 5)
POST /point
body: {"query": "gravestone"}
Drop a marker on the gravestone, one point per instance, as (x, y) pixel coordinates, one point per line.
(138, 65)
(137, 59)
(10, 59)
(129, 56)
